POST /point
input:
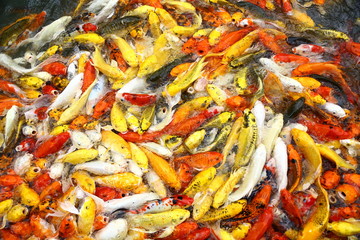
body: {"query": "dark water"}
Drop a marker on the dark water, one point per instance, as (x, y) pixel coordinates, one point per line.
(10, 10)
(339, 14)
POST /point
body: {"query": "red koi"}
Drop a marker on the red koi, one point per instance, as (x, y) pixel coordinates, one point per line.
(200, 46)
(105, 193)
(51, 145)
(26, 145)
(41, 228)
(353, 48)
(326, 132)
(41, 113)
(100, 222)
(41, 182)
(330, 179)
(352, 178)
(55, 68)
(152, 3)
(89, 27)
(182, 230)
(304, 201)
(198, 234)
(286, 6)
(52, 190)
(50, 90)
(185, 174)
(89, 75)
(104, 105)
(352, 211)
(284, 57)
(259, 228)
(139, 99)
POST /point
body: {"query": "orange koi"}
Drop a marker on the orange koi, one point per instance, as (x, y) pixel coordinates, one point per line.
(10, 180)
(328, 68)
(115, 54)
(52, 190)
(352, 178)
(330, 179)
(290, 207)
(201, 161)
(8, 235)
(295, 167)
(100, 222)
(229, 39)
(22, 229)
(41, 228)
(68, 227)
(11, 88)
(89, 75)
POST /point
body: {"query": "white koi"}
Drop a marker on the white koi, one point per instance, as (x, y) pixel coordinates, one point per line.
(80, 140)
(168, 112)
(352, 145)
(106, 12)
(68, 94)
(115, 230)
(56, 170)
(333, 109)
(252, 175)
(259, 113)
(22, 163)
(157, 148)
(48, 33)
(96, 94)
(281, 162)
(155, 183)
(100, 168)
(130, 202)
(271, 132)
(11, 124)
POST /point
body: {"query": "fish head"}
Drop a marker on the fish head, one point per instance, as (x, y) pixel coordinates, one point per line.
(182, 200)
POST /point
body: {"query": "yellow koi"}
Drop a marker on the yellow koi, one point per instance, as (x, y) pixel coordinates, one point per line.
(117, 118)
(312, 154)
(200, 181)
(125, 181)
(84, 180)
(115, 143)
(86, 216)
(229, 211)
(89, 38)
(28, 196)
(80, 156)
